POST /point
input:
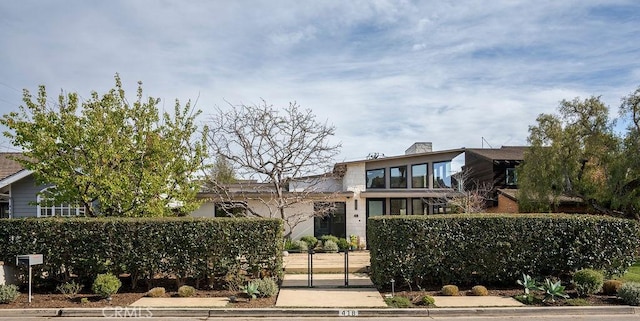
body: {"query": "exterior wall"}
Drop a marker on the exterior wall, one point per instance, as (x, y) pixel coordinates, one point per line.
(354, 181)
(7, 274)
(505, 205)
(24, 196)
(207, 209)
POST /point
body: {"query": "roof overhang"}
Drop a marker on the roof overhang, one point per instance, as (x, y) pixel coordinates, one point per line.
(410, 194)
(15, 177)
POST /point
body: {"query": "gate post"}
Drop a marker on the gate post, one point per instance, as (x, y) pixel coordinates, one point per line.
(310, 268)
(346, 267)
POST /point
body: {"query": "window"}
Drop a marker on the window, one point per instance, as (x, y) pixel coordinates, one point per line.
(398, 177)
(375, 207)
(512, 176)
(442, 175)
(46, 208)
(419, 176)
(398, 206)
(375, 178)
(418, 207)
(230, 209)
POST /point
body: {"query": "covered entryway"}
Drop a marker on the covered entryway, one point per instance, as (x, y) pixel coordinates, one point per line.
(330, 219)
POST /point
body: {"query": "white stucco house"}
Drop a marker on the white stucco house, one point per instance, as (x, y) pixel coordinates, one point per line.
(416, 183)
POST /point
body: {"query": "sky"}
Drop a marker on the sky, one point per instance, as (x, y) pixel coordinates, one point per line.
(386, 74)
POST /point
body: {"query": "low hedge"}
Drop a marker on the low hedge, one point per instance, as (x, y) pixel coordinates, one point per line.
(145, 247)
(496, 248)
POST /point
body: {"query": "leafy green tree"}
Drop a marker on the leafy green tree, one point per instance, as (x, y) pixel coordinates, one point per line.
(113, 157)
(577, 153)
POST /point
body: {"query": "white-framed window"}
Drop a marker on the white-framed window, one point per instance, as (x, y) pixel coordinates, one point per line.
(46, 208)
(511, 176)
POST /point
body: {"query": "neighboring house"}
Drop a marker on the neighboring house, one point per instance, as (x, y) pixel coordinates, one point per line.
(417, 183)
(496, 168)
(20, 195)
(493, 169)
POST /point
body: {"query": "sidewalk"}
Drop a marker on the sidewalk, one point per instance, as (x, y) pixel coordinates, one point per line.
(327, 262)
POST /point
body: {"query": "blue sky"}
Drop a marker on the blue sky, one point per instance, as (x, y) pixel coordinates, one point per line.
(385, 73)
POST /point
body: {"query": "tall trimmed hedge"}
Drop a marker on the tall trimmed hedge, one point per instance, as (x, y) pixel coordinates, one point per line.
(496, 248)
(145, 247)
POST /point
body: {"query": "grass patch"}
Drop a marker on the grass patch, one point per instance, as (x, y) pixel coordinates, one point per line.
(633, 274)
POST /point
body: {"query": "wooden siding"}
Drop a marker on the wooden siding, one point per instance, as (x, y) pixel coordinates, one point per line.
(24, 195)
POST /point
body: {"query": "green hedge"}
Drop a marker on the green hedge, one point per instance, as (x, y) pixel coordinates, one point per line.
(195, 248)
(496, 248)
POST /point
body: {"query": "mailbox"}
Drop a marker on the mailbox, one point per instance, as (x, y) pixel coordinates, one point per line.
(29, 260)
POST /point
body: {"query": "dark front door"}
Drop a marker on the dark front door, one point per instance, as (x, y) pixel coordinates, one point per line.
(4, 210)
(331, 219)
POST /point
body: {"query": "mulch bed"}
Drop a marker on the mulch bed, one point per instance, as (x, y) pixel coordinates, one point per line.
(51, 300)
(593, 300)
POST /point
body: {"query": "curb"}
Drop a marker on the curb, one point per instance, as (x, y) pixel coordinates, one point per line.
(29, 313)
(317, 312)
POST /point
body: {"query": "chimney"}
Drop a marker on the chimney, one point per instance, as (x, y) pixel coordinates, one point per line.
(419, 147)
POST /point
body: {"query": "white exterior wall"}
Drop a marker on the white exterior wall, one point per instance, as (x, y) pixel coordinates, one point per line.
(207, 209)
(7, 274)
(354, 180)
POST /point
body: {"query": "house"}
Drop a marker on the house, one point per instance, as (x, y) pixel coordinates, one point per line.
(493, 169)
(20, 195)
(496, 168)
(416, 183)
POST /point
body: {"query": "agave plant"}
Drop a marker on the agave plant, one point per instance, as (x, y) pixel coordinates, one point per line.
(529, 284)
(553, 290)
(251, 289)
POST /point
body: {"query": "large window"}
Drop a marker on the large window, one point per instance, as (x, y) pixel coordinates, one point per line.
(442, 175)
(398, 206)
(375, 207)
(419, 207)
(398, 177)
(46, 208)
(419, 176)
(375, 178)
(512, 177)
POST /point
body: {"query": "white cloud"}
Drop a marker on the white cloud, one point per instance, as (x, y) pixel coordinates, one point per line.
(386, 73)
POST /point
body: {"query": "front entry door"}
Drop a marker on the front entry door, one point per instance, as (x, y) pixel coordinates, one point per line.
(333, 222)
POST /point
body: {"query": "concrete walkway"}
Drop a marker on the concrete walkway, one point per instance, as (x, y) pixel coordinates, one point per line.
(327, 280)
(330, 298)
(327, 262)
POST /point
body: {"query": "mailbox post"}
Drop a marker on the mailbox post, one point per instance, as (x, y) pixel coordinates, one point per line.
(29, 260)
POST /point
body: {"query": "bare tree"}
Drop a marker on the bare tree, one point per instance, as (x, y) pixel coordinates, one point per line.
(283, 156)
(468, 195)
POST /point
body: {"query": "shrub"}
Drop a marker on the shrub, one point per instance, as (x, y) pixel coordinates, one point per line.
(450, 290)
(310, 240)
(343, 244)
(629, 292)
(611, 287)
(267, 287)
(588, 281)
(398, 302)
(496, 248)
(84, 301)
(479, 290)
(69, 289)
(553, 290)
(330, 246)
(157, 292)
(106, 285)
(8, 293)
(332, 238)
(186, 291)
(428, 300)
(186, 247)
(297, 246)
